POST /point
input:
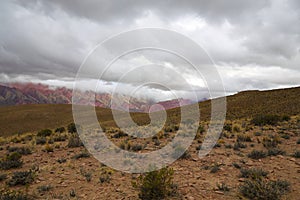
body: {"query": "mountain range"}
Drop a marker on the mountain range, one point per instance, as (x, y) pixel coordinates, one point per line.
(31, 93)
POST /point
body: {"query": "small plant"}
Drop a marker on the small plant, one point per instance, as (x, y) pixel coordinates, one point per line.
(223, 187)
(256, 154)
(179, 152)
(74, 141)
(13, 195)
(44, 188)
(120, 134)
(227, 127)
(253, 173)
(285, 136)
(44, 133)
(275, 152)
(236, 128)
(136, 147)
(104, 177)
(3, 177)
(257, 133)
(72, 128)
(155, 185)
(60, 130)
(261, 120)
(20, 150)
(40, 140)
(297, 154)
(61, 160)
(228, 146)
(260, 189)
(271, 142)
(12, 160)
(72, 193)
(87, 175)
(244, 138)
(215, 168)
(238, 145)
(21, 178)
(236, 165)
(48, 148)
(298, 141)
(81, 155)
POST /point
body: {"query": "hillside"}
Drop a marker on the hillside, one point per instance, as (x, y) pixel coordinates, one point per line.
(26, 118)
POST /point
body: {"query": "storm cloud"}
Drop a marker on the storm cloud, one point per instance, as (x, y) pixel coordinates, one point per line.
(254, 44)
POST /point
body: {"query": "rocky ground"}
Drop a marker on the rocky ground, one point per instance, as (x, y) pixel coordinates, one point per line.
(62, 171)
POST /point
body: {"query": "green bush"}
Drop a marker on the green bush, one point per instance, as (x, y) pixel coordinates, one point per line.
(253, 173)
(259, 189)
(256, 154)
(155, 185)
(44, 133)
(21, 178)
(12, 160)
(223, 187)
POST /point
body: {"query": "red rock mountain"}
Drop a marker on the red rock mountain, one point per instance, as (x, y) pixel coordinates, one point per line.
(30, 93)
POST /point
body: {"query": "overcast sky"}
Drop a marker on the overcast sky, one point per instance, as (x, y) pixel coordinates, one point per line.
(254, 44)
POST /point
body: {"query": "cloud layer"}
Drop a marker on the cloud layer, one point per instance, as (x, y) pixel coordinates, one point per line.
(254, 44)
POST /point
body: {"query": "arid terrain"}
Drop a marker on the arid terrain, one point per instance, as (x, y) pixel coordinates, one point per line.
(42, 156)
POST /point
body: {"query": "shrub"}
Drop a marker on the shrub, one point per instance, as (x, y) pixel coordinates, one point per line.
(48, 148)
(244, 138)
(13, 195)
(21, 178)
(74, 141)
(3, 177)
(201, 129)
(215, 168)
(136, 147)
(261, 120)
(238, 145)
(236, 165)
(275, 152)
(155, 185)
(256, 154)
(12, 160)
(120, 134)
(41, 140)
(177, 153)
(60, 138)
(253, 173)
(227, 127)
(44, 133)
(297, 154)
(60, 130)
(72, 128)
(285, 136)
(260, 189)
(271, 142)
(81, 155)
(20, 150)
(223, 187)
(104, 178)
(44, 188)
(257, 133)
(87, 175)
(236, 128)
(298, 141)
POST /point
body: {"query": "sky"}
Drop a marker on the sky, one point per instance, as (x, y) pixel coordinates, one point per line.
(252, 44)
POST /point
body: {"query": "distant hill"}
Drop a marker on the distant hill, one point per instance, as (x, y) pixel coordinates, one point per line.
(30, 93)
(24, 118)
